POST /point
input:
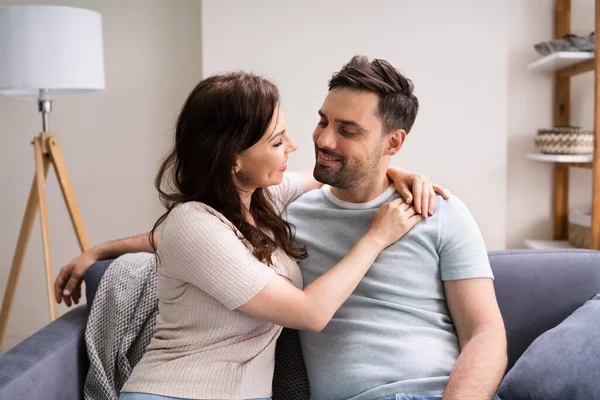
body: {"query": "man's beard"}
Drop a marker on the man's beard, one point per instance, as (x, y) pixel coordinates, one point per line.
(344, 176)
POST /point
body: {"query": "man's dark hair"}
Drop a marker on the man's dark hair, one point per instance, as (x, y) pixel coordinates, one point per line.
(398, 105)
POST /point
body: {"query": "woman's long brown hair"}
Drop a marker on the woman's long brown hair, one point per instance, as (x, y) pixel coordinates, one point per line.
(223, 116)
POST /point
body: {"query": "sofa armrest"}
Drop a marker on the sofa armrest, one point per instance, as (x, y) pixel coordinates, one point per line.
(50, 364)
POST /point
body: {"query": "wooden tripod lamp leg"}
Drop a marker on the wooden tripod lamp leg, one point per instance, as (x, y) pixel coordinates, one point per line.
(21, 249)
(46, 150)
(41, 189)
(67, 191)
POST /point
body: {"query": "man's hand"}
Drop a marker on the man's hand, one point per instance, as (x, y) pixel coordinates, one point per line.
(413, 185)
(67, 285)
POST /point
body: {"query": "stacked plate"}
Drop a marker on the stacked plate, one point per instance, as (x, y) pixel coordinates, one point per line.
(565, 140)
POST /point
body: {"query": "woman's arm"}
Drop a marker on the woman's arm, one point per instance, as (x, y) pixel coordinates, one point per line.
(67, 285)
(310, 183)
(311, 309)
(409, 184)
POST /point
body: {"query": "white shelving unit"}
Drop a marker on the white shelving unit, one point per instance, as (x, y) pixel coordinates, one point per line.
(560, 158)
(560, 60)
(564, 66)
(548, 244)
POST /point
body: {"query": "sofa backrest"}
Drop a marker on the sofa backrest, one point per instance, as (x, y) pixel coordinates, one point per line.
(536, 290)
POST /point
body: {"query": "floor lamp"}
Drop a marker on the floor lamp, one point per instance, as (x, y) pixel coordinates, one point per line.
(47, 50)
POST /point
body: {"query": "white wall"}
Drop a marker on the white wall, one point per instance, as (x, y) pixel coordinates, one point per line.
(112, 141)
(455, 52)
(530, 107)
(480, 109)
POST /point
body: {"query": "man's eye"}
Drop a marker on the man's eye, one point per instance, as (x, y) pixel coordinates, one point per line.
(323, 124)
(346, 133)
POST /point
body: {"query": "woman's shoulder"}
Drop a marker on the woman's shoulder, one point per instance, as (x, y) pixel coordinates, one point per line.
(197, 218)
(196, 210)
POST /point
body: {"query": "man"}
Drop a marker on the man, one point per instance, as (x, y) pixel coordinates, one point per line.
(424, 320)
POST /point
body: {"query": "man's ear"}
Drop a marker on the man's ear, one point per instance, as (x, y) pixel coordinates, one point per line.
(395, 140)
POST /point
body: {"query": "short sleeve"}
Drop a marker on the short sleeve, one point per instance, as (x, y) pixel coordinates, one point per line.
(199, 246)
(462, 251)
(287, 191)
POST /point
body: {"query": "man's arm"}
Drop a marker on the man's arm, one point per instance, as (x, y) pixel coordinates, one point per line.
(67, 285)
(480, 328)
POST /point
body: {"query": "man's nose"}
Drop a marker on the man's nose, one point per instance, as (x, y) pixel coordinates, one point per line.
(326, 139)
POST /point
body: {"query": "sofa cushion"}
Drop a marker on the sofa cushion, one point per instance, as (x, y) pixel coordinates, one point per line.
(562, 363)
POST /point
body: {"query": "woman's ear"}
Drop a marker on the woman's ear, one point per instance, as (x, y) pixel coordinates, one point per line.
(395, 140)
(237, 166)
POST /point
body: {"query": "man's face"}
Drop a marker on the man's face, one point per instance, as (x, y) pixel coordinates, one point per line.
(348, 139)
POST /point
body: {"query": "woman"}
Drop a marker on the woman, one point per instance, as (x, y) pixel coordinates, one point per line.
(228, 278)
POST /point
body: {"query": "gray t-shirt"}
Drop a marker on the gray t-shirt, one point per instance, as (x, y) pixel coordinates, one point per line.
(394, 334)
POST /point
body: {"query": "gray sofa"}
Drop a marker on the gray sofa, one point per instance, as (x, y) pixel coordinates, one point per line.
(536, 290)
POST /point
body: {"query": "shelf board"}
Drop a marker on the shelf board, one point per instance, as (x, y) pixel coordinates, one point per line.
(560, 60)
(548, 244)
(561, 158)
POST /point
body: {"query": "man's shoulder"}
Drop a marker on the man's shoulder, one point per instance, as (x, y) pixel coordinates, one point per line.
(452, 219)
(453, 210)
(308, 200)
(450, 212)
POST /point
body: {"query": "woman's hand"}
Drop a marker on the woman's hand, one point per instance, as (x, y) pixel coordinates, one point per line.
(67, 285)
(392, 221)
(413, 185)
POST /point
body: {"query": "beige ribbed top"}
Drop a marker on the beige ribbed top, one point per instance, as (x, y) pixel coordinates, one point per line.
(203, 348)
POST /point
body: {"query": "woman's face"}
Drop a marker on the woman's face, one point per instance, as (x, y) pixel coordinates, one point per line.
(263, 164)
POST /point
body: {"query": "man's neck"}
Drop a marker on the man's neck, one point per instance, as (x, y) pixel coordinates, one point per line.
(365, 192)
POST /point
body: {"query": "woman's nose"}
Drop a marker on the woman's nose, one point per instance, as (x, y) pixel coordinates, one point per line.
(291, 147)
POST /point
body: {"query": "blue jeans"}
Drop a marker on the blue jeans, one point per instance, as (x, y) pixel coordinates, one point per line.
(402, 396)
(148, 396)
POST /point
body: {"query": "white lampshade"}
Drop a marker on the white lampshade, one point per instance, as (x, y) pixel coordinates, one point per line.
(50, 47)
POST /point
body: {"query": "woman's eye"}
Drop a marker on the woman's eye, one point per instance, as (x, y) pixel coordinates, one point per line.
(279, 143)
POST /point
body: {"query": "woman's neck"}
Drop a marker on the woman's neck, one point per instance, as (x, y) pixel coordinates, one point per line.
(246, 199)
